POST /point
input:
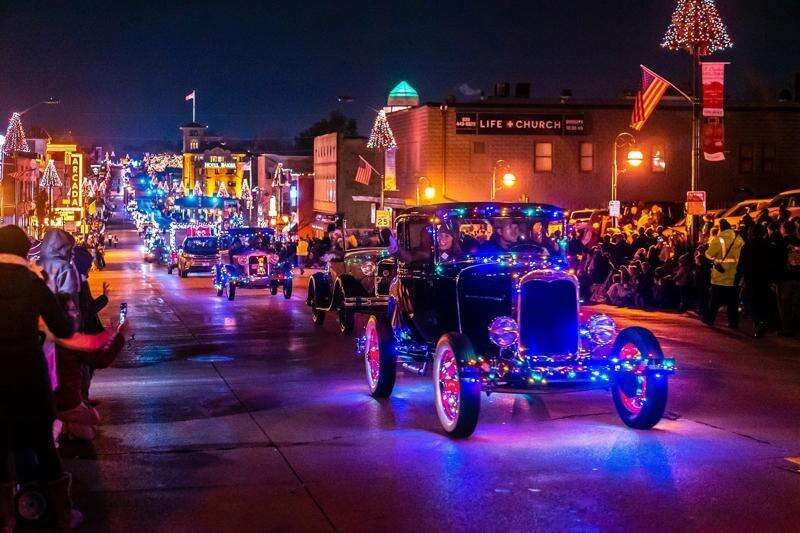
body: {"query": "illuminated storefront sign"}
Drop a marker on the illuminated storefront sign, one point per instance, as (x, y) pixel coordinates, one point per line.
(519, 124)
(72, 203)
(217, 164)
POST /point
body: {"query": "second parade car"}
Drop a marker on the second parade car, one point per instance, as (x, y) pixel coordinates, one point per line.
(253, 259)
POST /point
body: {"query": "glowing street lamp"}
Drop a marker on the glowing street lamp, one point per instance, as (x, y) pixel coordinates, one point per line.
(428, 192)
(634, 159)
(508, 179)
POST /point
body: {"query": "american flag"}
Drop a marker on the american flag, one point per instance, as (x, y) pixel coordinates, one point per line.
(653, 88)
(364, 172)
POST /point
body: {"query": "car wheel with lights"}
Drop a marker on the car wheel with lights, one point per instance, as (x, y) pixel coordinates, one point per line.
(457, 386)
(640, 397)
(379, 358)
(273, 289)
(220, 290)
(169, 270)
(287, 289)
(230, 288)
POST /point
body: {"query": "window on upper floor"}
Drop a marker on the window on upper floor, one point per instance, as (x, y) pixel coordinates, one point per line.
(586, 163)
(543, 157)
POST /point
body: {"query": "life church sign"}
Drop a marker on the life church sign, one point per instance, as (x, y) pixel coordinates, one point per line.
(519, 124)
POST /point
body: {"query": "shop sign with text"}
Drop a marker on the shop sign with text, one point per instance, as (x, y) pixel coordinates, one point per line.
(519, 124)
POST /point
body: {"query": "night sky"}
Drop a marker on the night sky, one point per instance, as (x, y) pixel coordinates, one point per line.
(121, 69)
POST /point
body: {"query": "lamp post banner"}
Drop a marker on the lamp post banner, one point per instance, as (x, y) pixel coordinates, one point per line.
(713, 89)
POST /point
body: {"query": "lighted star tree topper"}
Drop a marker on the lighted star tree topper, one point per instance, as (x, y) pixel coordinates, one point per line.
(381, 136)
(697, 25)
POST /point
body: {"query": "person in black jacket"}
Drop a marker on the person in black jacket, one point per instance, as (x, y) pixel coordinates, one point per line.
(27, 410)
(757, 270)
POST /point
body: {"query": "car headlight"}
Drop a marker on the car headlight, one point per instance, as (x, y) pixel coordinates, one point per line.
(599, 329)
(368, 268)
(503, 331)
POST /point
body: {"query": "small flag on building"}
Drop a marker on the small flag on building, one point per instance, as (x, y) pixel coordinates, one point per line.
(189, 96)
(653, 88)
(364, 172)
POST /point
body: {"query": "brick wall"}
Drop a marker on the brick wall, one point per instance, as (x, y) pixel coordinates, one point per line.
(470, 158)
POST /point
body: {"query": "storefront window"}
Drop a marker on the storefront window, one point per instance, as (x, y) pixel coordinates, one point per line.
(658, 161)
(586, 157)
(543, 157)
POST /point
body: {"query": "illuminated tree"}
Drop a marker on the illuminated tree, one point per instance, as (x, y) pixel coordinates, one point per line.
(15, 136)
(381, 136)
(697, 28)
(50, 177)
(222, 191)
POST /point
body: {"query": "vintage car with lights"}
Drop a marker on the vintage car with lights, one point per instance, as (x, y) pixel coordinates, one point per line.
(197, 254)
(483, 299)
(251, 259)
(355, 283)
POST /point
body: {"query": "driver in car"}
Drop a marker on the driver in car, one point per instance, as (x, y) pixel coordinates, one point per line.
(505, 235)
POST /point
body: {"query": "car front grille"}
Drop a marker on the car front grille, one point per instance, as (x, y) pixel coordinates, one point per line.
(548, 317)
(258, 265)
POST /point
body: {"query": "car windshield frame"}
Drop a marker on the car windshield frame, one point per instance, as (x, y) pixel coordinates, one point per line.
(189, 244)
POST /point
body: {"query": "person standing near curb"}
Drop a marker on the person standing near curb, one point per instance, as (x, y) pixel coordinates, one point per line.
(724, 251)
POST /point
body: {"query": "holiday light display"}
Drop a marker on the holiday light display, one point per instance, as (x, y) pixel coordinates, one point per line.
(381, 136)
(15, 136)
(50, 177)
(160, 162)
(197, 190)
(222, 191)
(246, 194)
(696, 24)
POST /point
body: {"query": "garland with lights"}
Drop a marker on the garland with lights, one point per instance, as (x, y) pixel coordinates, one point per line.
(381, 136)
(160, 162)
(50, 177)
(696, 24)
(15, 136)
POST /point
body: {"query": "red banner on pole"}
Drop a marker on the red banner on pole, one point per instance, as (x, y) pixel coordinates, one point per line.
(713, 136)
(713, 89)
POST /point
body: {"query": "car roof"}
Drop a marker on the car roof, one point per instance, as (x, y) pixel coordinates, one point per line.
(462, 209)
(786, 193)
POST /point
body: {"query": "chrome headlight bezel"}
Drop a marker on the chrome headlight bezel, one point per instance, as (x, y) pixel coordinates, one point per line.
(599, 329)
(504, 331)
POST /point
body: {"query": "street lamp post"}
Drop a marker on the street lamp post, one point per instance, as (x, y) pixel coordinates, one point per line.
(634, 159)
(429, 192)
(509, 179)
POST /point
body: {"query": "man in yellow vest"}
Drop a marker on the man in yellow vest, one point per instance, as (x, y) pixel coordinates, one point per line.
(724, 251)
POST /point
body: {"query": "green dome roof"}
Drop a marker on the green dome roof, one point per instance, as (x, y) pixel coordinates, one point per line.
(403, 94)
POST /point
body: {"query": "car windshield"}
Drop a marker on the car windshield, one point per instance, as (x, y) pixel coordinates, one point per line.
(200, 244)
(492, 236)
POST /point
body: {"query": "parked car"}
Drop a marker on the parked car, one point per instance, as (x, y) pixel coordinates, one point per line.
(502, 316)
(580, 216)
(252, 260)
(735, 213)
(197, 254)
(788, 199)
(680, 226)
(356, 283)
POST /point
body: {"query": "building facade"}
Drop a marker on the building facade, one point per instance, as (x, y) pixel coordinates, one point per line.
(336, 192)
(211, 166)
(561, 152)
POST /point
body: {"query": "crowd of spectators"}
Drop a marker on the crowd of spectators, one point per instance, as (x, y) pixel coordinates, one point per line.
(754, 268)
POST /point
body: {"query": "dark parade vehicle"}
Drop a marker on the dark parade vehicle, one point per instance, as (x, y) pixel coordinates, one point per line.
(197, 254)
(252, 260)
(355, 283)
(484, 298)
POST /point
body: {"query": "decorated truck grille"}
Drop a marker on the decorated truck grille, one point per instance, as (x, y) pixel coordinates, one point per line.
(548, 318)
(258, 265)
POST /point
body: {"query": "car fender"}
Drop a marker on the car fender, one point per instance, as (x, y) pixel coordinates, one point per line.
(350, 286)
(320, 281)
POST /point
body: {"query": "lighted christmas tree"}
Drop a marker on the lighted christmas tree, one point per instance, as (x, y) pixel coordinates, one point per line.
(247, 194)
(222, 192)
(696, 24)
(197, 190)
(50, 177)
(381, 136)
(15, 136)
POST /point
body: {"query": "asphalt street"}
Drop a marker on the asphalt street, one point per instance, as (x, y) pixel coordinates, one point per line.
(244, 416)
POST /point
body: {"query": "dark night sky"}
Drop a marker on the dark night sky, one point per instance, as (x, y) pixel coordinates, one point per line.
(122, 68)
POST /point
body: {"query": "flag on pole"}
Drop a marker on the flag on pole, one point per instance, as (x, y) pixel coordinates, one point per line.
(364, 172)
(653, 88)
(189, 96)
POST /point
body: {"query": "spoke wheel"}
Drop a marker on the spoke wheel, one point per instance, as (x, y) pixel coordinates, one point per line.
(457, 386)
(640, 398)
(379, 359)
(230, 289)
(287, 289)
(317, 316)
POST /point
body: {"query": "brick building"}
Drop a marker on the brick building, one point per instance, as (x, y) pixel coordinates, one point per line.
(336, 159)
(561, 151)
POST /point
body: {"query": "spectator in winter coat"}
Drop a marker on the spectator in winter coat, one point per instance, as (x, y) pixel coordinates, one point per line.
(788, 284)
(757, 272)
(724, 251)
(62, 278)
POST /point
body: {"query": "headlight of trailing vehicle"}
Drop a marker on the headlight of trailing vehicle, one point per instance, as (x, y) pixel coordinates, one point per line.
(503, 331)
(599, 329)
(368, 268)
